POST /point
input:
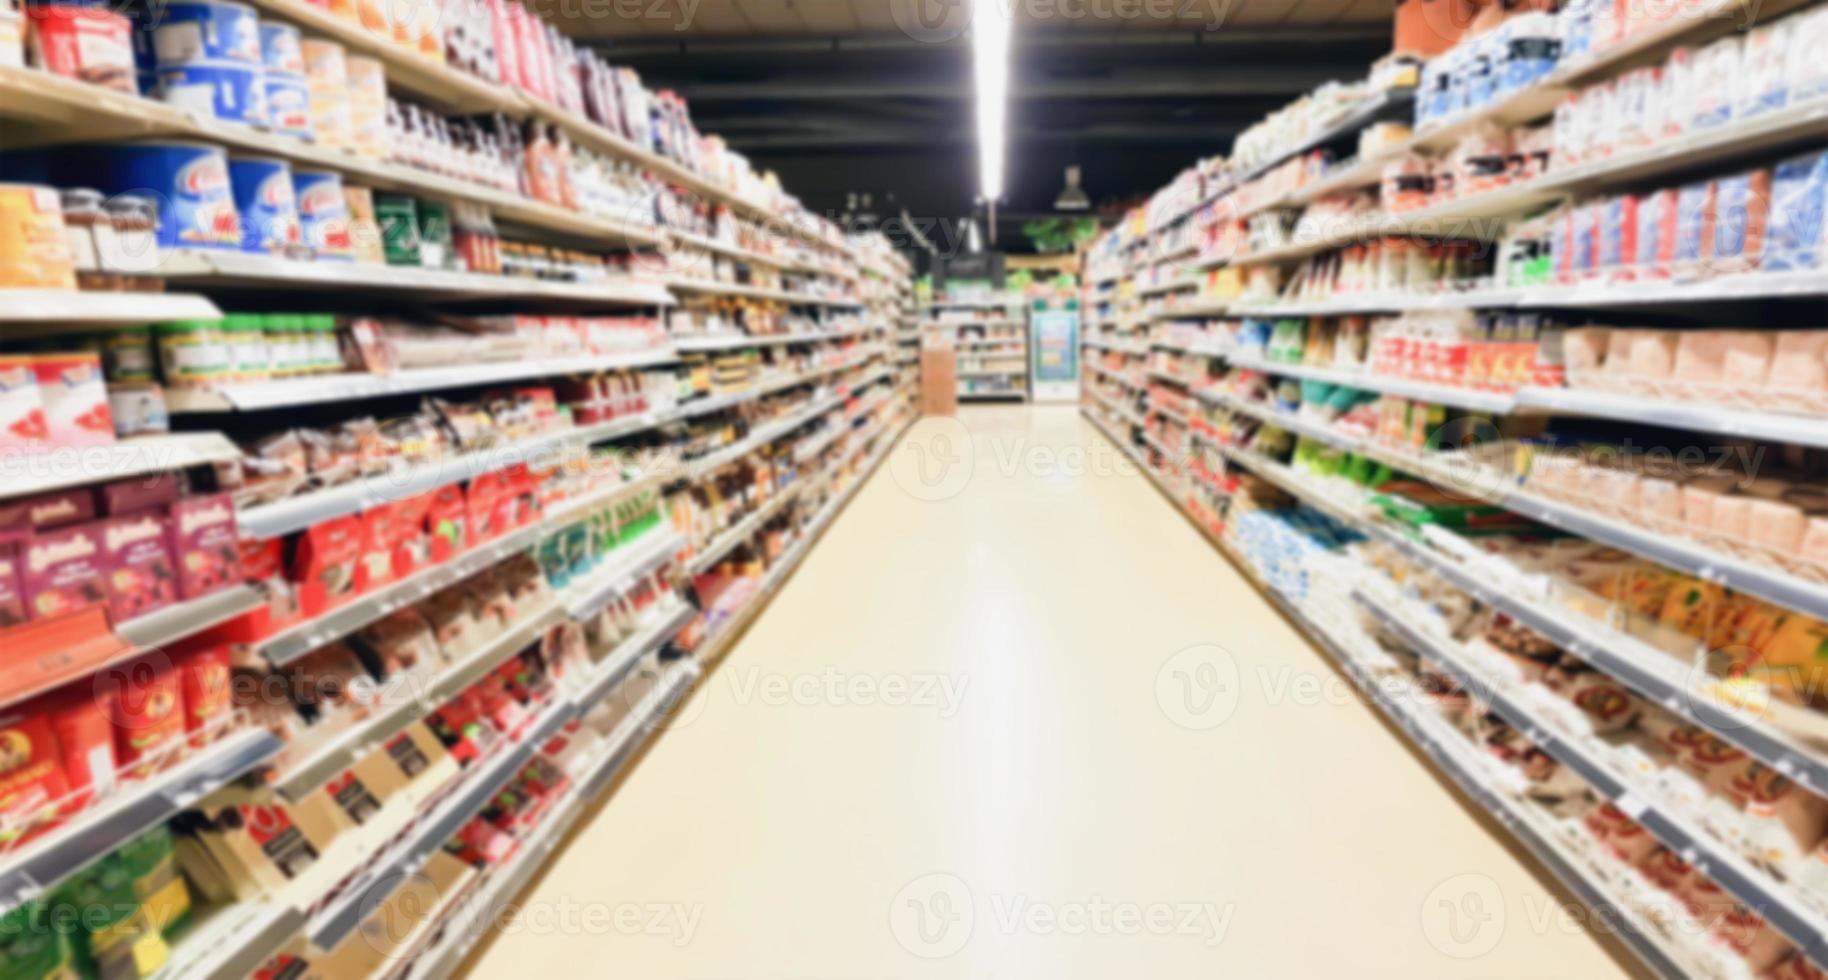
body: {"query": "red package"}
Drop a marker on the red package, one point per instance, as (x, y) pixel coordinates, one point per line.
(85, 741)
(327, 556)
(375, 560)
(137, 556)
(63, 571)
(205, 545)
(85, 43)
(447, 520)
(12, 595)
(263, 560)
(140, 493)
(31, 777)
(204, 680)
(49, 511)
(147, 709)
(479, 507)
(459, 725)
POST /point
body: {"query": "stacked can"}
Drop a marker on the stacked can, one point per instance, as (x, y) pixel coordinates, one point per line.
(209, 61)
(327, 81)
(288, 97)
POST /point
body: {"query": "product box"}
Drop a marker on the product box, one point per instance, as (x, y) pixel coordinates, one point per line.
(84, 729)
(327, 557)
(257, 846)
(75, 397)
(375, 559)
(31, 774)
(205, 677)
(1793, 240)
(49, 511)
(1695, 212)
(205, 544)
(62, 571)
(352, 797)
(140, 494)
(1617, 239)
(12, 593)
(1656, 238)
(1741, 214)
(137, 556)
(447, 520)
(146, 706)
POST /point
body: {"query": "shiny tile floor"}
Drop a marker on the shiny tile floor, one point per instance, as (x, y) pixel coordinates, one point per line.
(960, 744)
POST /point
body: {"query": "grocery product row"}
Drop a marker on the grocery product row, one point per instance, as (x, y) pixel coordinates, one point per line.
(1708, 872)
(454, 99)
(412, 759)
(1524, 383)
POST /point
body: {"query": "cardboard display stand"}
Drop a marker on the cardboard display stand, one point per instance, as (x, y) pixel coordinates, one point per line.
(938, 374)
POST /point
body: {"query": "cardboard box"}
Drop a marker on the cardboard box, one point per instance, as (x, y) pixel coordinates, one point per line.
(205, 544)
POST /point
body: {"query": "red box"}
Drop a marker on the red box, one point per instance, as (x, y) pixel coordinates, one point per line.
(136, 552)
(32, 779)
(140, 493)
(205, 545)
(12, 597)
(447, 520)
(204, 679)
(49, 511)
(146, 707)
(85, 741)
(327, 557)
(63, 571)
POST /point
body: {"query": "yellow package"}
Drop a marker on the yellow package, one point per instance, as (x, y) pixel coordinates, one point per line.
(1795, 661)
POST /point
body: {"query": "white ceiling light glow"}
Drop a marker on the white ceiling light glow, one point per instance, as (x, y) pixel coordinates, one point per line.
(990, 26)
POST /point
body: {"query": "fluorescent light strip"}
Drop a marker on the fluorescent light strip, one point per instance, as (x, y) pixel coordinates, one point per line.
(990, 27)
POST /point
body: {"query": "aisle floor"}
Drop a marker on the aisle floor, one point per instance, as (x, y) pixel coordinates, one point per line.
(976, 736)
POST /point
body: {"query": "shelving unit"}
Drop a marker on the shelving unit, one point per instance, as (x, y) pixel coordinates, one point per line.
(1153, 337)
(820, 393)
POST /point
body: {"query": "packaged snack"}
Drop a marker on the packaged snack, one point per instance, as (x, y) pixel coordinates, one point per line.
(204, 676)
(147, 708)
(327, 555)
(63, 571)
(1718, 68)
(31, 775)
(137, 555)
(1742, 209)
(75, 398)
(1794, 237)
(1695, 214)
(1764, 83)
(204, 543)
(82, 724)
(141, 493)
(12, 592)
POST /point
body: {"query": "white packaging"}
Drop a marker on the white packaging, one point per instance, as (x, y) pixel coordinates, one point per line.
(1677, 97)
(12, 38)
(1807, 69)
(1765, 79)
(1636, 103)
(1717, 70)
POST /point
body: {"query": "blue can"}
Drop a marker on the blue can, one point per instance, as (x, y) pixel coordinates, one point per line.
(323, 213)
(280, 51)
(230, 92)
(266, 201)
(188, 181)
(196, 30)
(289, 106)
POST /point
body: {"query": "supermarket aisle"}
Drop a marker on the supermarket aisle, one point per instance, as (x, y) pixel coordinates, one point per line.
(960, 745)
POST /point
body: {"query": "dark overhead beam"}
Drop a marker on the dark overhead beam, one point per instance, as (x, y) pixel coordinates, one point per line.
(1256, 82)
(1224, 38)
(1214, 136)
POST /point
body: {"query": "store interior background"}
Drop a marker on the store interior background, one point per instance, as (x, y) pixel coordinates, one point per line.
(866, 119)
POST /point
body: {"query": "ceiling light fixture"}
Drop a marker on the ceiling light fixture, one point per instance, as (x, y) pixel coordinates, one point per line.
(1072, 197)
(990, 27)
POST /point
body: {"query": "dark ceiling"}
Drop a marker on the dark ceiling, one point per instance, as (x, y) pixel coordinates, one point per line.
(846, 98)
